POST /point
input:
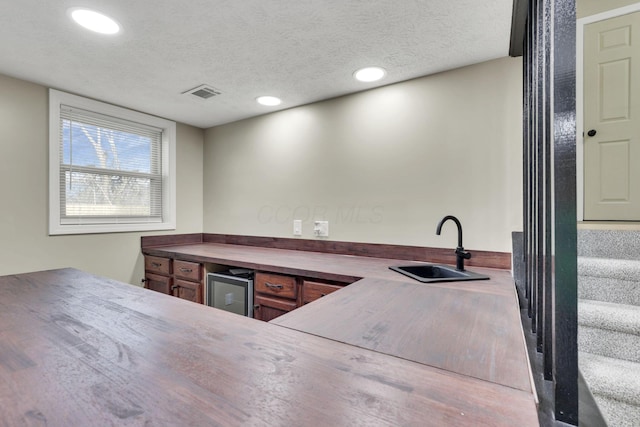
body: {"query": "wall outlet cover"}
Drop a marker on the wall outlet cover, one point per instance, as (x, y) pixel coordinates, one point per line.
(321, 228)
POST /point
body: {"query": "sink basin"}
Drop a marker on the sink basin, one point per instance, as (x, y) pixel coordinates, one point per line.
(437, 273)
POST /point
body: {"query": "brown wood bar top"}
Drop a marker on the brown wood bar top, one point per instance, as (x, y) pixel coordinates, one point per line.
(341, 268)
(80, 350)
(471, 333)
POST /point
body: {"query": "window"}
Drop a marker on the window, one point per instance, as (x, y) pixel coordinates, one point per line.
(110, 169)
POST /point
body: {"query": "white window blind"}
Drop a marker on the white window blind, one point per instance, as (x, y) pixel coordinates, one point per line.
(110, 169)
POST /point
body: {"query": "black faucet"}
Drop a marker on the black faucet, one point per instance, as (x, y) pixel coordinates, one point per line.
(461, 254)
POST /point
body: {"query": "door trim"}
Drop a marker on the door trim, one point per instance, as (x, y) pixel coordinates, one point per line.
(580, 24)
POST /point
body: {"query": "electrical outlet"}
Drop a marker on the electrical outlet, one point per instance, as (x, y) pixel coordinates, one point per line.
(321, 228)
(297, 227)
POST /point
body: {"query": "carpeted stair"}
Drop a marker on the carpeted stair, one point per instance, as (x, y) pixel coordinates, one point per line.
(609, 321)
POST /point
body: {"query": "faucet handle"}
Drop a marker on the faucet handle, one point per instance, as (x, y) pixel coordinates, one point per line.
(461, 252)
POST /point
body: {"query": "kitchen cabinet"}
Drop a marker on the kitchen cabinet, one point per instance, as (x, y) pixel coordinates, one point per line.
(275, 295)
(188, 283)
(276, 285)
(182, 279)
(157, 274)
(267, 308)
(191, 291)
(158, 283)
(312, 290)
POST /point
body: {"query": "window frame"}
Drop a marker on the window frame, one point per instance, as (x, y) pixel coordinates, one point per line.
(168, 164)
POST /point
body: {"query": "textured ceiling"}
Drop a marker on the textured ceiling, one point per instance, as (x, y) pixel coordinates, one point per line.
(300, 50)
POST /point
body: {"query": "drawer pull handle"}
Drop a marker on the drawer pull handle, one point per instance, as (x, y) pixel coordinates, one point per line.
(272, 286)
(156, 264)
(323, 295)
(186, 270)
(174, 287)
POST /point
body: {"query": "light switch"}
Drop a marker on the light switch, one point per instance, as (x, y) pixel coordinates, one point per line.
(297, 227)
(321, 228)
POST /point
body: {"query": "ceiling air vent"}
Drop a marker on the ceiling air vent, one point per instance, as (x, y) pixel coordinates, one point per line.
(203, 92)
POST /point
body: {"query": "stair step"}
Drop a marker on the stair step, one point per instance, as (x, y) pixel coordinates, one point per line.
(615, 385)
(621, 269)
(608, 329)
(620, 244)
(618, 414)
(609, 290)
(609, 280)
(606, 315)
(609, 321)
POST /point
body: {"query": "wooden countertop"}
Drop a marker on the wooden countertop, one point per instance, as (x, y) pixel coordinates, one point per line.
(77, 349)
(326, 266)
(468, 332)
(471, 328)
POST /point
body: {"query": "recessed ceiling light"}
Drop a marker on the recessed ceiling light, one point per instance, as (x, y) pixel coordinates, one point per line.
(369, 74)
(94, 21)
(269, 101)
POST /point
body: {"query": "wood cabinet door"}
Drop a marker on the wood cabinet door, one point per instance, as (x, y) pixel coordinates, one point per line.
(190, 291)
(266, 308)
(311, 291)
(158, 283)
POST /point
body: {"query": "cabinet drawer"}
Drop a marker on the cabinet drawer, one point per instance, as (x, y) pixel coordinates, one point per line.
(187, 270)
(275, 284)
(311, 291)
(157, 265)
(158, 283)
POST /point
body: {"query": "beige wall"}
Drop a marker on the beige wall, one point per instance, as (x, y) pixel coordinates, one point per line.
(382, 166)
(25, 244)
(592, 7)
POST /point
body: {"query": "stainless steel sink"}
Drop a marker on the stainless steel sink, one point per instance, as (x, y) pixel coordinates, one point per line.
(437, 273)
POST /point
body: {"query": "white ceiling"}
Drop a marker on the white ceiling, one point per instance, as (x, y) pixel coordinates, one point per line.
(299, 50)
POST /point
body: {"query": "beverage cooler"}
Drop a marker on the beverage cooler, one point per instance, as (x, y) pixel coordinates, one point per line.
(231, 291)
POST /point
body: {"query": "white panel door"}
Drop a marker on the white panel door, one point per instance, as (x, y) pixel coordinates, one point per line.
(612, 127)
